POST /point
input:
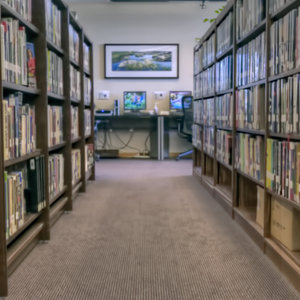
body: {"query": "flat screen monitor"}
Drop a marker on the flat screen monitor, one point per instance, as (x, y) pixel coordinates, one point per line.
(176, 100)
(135, 101)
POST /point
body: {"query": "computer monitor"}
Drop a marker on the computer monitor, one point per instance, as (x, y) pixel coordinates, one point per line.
(176, 100)
(134, 101)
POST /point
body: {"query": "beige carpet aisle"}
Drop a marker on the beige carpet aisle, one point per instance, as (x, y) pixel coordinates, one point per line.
(146, 230)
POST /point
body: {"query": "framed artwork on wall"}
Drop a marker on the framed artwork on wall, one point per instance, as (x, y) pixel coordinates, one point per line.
(141, 61)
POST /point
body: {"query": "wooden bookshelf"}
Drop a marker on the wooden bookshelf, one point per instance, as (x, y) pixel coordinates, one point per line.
(233, 189)
(37, 226)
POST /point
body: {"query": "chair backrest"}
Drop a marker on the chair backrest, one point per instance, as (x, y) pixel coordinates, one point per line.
(187, 108)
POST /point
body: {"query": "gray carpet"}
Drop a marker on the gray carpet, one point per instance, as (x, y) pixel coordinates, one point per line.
(146, 230)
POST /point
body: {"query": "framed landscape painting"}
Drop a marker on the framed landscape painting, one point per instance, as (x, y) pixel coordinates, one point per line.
(141, 61)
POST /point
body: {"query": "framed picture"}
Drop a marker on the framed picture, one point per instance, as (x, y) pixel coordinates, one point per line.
(141, 61)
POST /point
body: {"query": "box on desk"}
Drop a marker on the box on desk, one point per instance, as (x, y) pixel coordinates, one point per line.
(285, 224)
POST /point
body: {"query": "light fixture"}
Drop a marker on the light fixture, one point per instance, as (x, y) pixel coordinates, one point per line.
(203, 5)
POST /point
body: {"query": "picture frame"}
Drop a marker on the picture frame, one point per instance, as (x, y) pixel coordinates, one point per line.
(141, 61)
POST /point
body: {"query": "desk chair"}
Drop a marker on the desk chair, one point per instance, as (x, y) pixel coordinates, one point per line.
(187, 123)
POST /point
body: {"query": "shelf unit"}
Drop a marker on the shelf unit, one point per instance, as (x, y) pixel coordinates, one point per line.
(238, 194)
(37, 226)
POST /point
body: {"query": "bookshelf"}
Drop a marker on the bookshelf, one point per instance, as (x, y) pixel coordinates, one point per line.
(34, 227)
(241, 189)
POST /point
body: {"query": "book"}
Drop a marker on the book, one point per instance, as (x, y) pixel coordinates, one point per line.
(76, 165)
(86, 57)
(73, 43)
(89, 157)
(56, 166)
(74, 122)
(53, 23)
(224, 74)
(208, 141)
(225, 34)
(55, 125)
(74, 83)
(23, 7)
(209, 50)
(55, 73)
(31, 65)
(197, 136)
(87, 90)
(224, 110)
(87, 122)
(224, 146)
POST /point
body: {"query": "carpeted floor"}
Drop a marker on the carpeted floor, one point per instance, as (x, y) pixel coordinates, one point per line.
(146, 230)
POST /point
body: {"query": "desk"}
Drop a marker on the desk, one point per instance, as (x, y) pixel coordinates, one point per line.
(159, 127)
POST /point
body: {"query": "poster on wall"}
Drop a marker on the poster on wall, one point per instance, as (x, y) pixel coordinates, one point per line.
(141, 61)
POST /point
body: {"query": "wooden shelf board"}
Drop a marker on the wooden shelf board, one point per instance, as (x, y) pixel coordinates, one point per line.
(249, 215)
(223, 14)
(88, 174)
(73, 100)
(58, 195)
(76, 182)
(249, 85)
(224, 128)
(54, 47)
(209, 180)
(199, 124)
(20, 159)
(259, 182)
(285, 136)
(284, 199)
(74, 63)
(209, 32)
(251, 131)
(8, 11)
(224, 92)
(208, 66)
(56, 147)
(86, 72)
(56, 96)
(208, 96)
(285, 74)
(198, 171)
(225, 191)
(87, 104)
(283, 10)
(74, 22)
(208, 154)
(20, 88)
(197, 148)
(76, 140)
(88, 136)
(57, 206)
(252, 34)
(229, 167)
(225, 53)
(76, 189)
(198, 73)
(29, 219)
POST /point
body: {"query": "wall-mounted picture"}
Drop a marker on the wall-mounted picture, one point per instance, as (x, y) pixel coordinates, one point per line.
(146, 61)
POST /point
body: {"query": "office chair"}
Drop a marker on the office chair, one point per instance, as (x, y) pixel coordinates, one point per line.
(186, 123)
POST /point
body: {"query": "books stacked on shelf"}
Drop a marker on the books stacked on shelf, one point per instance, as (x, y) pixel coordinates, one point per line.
(251, 61)
(274, 5)
(89, 156)
(55, 73)
(208, 112)
(23, 7)
(19, 127)
(224, 146)
(208, 141)
(249, 14)
(207, 82)
(74, 43)
(284, 43)
(209, 51)
(224, 74)
(56, 166)
(14, 54)
(198, 112)
(250, 108)
(198, 86)
(198, 60)
(87, 90)
(86, 57)
(224, 109)
(74, 122)
(76, 165)
(225, 34)
(197, 136)
(74, 83)
(53, 23)
(55, 125)
(283, 172)
(249, 155)
(87, 122)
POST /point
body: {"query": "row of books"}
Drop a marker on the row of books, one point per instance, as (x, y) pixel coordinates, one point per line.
(76, 165)
(19, 127)
(24, 190)
(274, 5)
(198, 86)
(55, 73)
(56, 166)
(17, 56)
(225, 34)
(283, 172)
(285, 43)
(250, 155)
(198, 112)
(224, 109)
(209, 50)
(224, 146)
(23, 7)
(53, 23)
(55, 125)
(198, 60)
(197, 136)
(87, 90)
(251, 61)
(87, 122)
(74, 43)
(284, 106)
(208, 112)
(224, 74)
(209, 141)
(249, 14)
(74, 83)
(207, 82)
(86, 57)
(89, 157)
(74, 122)
(250, 108)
